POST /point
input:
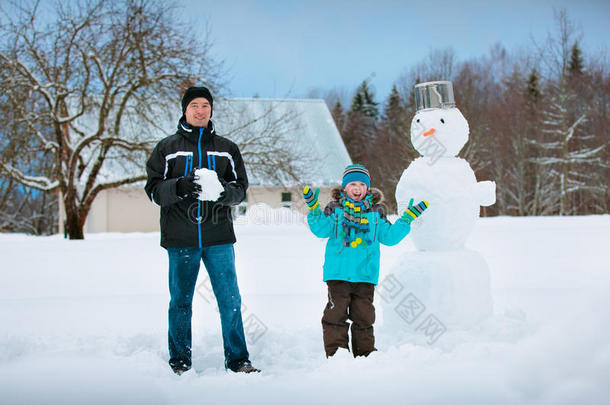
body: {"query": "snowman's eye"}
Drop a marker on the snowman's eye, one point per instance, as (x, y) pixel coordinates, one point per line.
(418, 120)
(442, 120)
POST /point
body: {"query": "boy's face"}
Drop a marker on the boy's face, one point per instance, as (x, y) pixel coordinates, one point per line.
(356, 190)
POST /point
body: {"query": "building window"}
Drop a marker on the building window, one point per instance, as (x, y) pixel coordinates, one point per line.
(287, 200)
(239, 210)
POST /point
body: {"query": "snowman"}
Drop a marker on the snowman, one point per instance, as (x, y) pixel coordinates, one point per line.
(442, 278)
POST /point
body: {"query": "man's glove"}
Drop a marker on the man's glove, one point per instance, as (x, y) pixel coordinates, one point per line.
(414, 211)
(311, 198)
(186, 186)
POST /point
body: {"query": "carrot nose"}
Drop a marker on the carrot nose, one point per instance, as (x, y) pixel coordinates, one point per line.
(429, 132)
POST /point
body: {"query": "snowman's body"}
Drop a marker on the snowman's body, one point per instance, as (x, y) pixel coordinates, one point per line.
(448, 186)
(450, 281)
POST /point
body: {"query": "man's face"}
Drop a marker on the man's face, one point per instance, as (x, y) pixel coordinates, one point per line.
(356, 190)
(198, 112)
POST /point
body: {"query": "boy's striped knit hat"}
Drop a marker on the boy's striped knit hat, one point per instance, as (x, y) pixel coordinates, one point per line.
(356, 173)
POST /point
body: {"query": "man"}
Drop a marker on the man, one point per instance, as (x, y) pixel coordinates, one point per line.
(194, 230)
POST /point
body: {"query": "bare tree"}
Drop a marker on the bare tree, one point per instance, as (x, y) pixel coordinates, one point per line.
(81, 79)
(22, 209)
(475, 96)
(337, 94)
(514, 125)
(439, 64)
(599, 127)
(27, 210)
(339, 116)
(263, 129)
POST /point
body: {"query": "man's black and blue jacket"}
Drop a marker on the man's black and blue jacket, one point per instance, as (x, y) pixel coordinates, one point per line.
(189, 222)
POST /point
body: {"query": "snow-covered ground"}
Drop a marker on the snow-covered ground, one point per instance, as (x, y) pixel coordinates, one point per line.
(85, 322)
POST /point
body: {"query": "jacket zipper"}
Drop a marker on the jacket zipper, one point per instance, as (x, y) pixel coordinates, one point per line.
(199, 229)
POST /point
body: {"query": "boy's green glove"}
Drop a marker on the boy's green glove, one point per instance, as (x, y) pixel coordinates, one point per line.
(414, 211)
(311, 198)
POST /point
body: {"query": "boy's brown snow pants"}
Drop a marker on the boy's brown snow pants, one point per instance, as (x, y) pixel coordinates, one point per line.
(352, 301)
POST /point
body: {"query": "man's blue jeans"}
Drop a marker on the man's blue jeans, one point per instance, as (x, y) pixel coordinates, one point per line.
(219, 260)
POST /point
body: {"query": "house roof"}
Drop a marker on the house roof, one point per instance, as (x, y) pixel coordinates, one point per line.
(300, 128)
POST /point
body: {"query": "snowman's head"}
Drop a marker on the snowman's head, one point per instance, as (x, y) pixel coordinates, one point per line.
(439, 132)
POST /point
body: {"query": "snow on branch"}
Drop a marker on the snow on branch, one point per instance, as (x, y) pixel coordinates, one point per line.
(31, 77)
(583, 155)
(547, 160)
(38, 182)
(128, 145)
(46, 144)
(545, 145)
(573, 127)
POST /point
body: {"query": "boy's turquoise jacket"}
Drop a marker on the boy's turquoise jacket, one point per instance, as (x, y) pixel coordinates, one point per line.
(361, 263)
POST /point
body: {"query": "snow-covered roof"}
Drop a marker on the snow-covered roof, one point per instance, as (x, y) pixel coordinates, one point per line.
(299, 128)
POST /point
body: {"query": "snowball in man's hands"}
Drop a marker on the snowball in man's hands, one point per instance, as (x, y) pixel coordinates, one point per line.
(210, 185)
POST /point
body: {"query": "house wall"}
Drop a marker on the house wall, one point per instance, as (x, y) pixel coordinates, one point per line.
(128, 209)
(272, 196)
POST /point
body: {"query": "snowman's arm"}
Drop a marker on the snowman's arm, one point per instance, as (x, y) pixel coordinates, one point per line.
(485, 193)
(390, 234)
(320, 223)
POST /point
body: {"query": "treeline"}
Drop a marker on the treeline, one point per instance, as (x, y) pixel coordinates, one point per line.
(539, 125)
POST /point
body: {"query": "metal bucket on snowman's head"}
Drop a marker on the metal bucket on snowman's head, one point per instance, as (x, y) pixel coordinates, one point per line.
(434, 95)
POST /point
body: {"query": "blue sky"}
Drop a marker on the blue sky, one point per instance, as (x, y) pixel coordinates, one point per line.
(286, 48)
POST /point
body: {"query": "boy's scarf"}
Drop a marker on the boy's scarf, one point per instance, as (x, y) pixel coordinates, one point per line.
(354, 219)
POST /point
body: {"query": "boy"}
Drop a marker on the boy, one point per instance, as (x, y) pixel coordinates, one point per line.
(355, 223)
